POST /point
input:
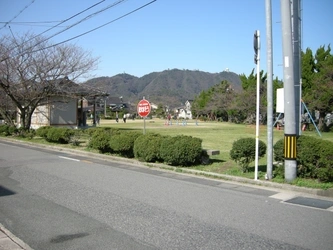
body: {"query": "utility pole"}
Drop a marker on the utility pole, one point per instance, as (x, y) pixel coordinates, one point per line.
(296, 31)
(289, 94)
(256, 46)
(269, 170)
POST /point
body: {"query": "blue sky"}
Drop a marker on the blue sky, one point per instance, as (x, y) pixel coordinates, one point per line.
(209, 35)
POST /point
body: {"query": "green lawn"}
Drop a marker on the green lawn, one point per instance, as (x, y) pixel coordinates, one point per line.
(214, 135)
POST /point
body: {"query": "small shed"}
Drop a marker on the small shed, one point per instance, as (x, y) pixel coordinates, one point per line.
(65, 107)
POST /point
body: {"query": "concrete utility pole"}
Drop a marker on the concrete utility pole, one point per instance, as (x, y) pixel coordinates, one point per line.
(296, 31)
(289, 94)
(256, 46)
(269, 170)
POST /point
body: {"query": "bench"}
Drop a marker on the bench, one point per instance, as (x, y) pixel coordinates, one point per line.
(212, 151)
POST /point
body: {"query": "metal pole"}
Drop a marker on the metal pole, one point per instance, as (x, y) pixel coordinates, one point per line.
(144, 120)
(94, 112)
(297, 60)
(104, 108)
(258, 108)
(269, 170)
(290, 163)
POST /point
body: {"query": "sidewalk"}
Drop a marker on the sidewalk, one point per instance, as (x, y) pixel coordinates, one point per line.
(8, 241)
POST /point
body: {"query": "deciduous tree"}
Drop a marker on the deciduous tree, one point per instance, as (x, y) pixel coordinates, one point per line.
(31, 68)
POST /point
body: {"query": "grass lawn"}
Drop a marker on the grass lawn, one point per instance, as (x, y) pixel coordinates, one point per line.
(214, 135)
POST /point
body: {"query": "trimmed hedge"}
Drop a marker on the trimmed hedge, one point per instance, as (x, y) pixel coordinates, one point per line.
(4, 130)
(181, 150)
(244, 150)
(123, 143)
(59, 135)
(100, 140)
(42, 131)
(91, 131)
(314, 158)
(147, 148)
(8, 130)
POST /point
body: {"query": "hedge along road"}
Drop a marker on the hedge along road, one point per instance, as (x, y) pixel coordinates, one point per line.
(215, 135)
(56, 200)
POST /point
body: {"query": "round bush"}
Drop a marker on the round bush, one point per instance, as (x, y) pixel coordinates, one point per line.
(147, 147)
(244, 150)
(307, 156)
(314, 158)
(181, 150)
(59, 135)
(324, 169)
(279, 150)
(100, 140)
(123, 143)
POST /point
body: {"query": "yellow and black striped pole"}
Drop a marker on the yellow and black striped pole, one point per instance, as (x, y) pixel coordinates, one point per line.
(290, 147)
(290, 123)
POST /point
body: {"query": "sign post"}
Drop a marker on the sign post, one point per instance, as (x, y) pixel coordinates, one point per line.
(143, 110)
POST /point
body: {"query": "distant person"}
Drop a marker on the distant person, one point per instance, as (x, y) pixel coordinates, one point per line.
(98, 119)
(117, 117)
(169, 119)
(124, 118)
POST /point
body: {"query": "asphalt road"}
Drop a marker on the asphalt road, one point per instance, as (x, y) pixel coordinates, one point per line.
(54, 200)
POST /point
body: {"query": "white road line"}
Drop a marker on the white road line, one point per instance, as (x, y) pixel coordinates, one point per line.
(67, 158)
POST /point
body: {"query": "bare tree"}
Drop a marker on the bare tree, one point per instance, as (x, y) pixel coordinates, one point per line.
(7, 109)
(31, 68)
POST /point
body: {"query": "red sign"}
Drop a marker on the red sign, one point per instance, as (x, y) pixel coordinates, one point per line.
(143, 108)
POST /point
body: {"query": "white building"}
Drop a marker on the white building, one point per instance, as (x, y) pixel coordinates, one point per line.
(184, 112)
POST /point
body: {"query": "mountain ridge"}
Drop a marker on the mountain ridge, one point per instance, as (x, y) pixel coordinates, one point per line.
(170, 87)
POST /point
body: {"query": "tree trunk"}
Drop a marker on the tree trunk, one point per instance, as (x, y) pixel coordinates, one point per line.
(7, 118)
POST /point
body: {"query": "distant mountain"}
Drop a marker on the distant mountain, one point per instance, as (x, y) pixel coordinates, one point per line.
(169, 87)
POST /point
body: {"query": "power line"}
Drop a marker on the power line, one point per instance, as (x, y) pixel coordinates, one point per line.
(69, 27)
(38, 25)
(79, 13)
(27, 22)
(57, 25)
(82, 20)
(87, 32)
(27, 6)
(82, 34)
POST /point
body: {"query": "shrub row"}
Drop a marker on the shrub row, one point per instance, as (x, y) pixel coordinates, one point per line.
(314, 158)
(7, 130)
(56, 134)
(175, 151)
